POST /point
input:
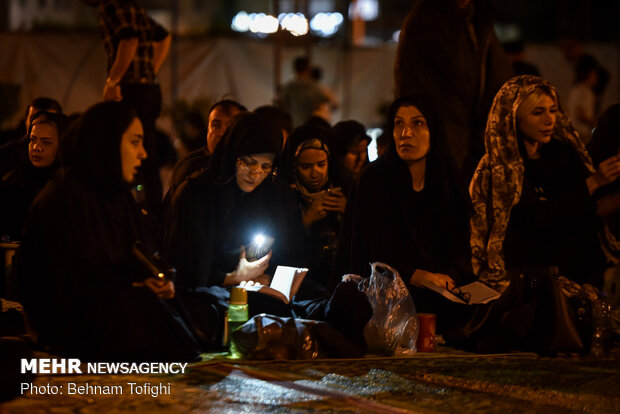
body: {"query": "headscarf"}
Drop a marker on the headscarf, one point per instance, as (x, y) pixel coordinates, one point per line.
(439, 175)
(497, 183)
(248, 134)
(302, 138)
(91, 148)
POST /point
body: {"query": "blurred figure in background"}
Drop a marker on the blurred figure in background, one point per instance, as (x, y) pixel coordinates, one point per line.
(349, 145)
(136, 48)
(301, 96)
(448, 49)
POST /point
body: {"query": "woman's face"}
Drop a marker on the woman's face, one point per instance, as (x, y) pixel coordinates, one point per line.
(312, 166)
(251, 170)
(537, 126)
(411, 135)
(356, 157)
(132, 150)
(43, 144)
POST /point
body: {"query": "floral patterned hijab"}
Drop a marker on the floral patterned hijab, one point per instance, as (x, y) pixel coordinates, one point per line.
(498, 181)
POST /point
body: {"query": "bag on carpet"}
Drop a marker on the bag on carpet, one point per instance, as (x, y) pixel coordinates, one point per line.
(533, 314)
(274, 337)
(394, 326)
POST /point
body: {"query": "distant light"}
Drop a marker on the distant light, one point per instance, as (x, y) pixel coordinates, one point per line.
(373, 133)
(241, 22)
(326, 24)
(296, 23)
(263, 23)
(396, 36)
(364, 9)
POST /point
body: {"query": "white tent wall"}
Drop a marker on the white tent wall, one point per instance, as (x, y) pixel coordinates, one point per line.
(71, 68)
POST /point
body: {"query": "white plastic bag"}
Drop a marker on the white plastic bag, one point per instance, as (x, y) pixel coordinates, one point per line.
(394, 326)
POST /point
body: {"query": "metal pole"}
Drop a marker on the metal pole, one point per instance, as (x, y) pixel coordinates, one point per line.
(174, 52)
(277, 56)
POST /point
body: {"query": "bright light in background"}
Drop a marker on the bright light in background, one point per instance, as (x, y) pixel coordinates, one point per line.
(396, 36)
(260, 23)
(364, 9)
(241, 22)
(296, 23)
(263, 23)
(373, 133)
(326, 24)
(323, 24)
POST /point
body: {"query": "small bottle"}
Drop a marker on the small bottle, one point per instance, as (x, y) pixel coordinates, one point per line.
(601, 326)
(237, 315)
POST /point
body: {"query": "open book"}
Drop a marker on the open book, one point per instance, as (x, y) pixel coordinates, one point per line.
(284, 285)
(479, 293)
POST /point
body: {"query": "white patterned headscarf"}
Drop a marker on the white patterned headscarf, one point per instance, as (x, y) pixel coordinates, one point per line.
(498, 181)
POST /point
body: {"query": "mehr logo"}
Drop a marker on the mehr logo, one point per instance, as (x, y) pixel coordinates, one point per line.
(50, 366)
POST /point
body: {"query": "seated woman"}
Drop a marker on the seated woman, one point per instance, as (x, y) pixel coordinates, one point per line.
(605, 148)
(349, 145)
(84, 292)
(20, 186)
(214, 218)
(407, 211)
(532, 190)
(308, 167)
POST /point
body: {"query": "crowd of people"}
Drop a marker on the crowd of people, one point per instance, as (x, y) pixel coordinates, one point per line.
(537, 203)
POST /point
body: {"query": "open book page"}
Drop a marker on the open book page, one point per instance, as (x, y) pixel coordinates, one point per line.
(480, 293)
(284, 284)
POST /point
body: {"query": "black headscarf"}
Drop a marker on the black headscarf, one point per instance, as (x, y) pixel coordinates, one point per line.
(440, 172)
(91, 148)
(248, 134)
(388, 221)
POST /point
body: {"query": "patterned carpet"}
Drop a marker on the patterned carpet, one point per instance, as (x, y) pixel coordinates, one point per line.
(444, 382)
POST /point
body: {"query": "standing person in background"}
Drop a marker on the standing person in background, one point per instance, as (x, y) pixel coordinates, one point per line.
(582, 99)
(301, 96)
(330, 103)
(447, 49)
(136, 47)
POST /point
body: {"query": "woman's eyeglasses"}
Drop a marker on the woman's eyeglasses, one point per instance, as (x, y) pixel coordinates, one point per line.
(464, 296)
(250, 164)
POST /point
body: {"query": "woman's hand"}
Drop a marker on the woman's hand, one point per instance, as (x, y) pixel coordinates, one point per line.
(438, 279)
(608, 171)
(163, 289)
(315, 212)
(247, 270)
(335, 201)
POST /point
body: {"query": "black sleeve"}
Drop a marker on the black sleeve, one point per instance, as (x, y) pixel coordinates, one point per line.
(185, 238)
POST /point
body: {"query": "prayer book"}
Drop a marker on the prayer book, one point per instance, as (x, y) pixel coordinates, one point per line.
(284, 284)
(476, 292)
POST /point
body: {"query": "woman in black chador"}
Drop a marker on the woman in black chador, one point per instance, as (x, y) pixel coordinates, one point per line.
(214, 218)
(19, 187)
(406, 210)
(84, 291)
(308, 165)
(210, 230)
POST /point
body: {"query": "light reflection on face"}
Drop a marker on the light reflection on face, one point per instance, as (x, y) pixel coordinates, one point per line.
(251, 170)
